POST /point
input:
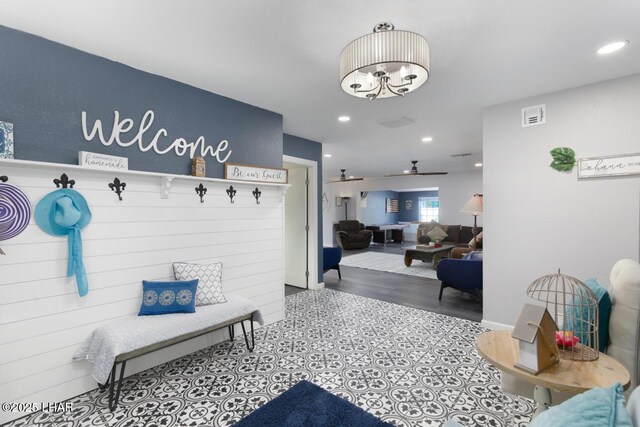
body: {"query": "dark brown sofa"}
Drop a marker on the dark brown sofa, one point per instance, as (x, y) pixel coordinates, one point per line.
(459, 235)
(350, 234)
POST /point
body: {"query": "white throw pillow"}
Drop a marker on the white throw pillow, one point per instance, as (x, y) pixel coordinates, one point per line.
(209, 284)
(437, 234)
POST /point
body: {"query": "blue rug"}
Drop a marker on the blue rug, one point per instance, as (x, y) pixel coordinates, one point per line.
(306, 404)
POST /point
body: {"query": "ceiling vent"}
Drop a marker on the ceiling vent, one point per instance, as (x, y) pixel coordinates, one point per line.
(533, 116)
(396, 122)
(460, 155)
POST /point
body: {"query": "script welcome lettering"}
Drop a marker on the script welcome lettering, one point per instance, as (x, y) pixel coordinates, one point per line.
(146, 142)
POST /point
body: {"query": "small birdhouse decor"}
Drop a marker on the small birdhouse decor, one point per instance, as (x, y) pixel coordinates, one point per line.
(536, 331)
(198, 166)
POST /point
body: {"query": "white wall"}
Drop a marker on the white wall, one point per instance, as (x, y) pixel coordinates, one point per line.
(539, 220)
(42, 319)
(455, 189)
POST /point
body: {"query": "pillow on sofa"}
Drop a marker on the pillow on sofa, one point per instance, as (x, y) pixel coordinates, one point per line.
(472, 244)
(572, 313)
(168, 297)
(593, 408)
(437, 234)
(210, 276)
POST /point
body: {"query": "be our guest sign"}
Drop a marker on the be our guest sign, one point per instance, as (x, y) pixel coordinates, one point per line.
(252, 173)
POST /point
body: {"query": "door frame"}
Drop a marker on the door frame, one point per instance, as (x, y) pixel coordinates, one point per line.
(312, 209)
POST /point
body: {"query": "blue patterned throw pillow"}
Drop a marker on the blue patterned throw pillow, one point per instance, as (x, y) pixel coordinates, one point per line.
(168, 297)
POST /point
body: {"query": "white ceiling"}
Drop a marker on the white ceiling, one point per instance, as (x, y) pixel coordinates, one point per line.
(283, 55)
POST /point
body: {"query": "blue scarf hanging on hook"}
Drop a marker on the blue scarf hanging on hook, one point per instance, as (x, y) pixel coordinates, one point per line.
(65, 212)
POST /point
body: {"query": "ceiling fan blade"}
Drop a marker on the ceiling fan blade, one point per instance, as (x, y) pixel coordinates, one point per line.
(345, 180)
(417, 174)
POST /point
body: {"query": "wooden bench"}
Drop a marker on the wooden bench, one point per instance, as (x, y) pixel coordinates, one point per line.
(119, 341)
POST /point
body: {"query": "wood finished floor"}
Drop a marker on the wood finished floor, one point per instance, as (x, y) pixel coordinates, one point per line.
(400, 289)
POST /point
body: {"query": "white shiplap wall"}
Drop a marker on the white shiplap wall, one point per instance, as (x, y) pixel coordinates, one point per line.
(42, 319)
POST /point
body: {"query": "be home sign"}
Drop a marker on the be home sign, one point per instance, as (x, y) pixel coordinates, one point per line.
(251, 173)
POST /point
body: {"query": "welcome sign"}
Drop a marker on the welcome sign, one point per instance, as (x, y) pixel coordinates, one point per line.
(146, 140)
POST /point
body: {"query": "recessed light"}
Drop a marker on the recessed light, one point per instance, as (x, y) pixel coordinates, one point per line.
(405, 171)
(612, 47)
(327, 155)
(478, 165)
(427, 139)
(344, 118)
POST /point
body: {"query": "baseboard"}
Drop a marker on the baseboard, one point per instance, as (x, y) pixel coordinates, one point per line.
(495, 326)
(316, 286)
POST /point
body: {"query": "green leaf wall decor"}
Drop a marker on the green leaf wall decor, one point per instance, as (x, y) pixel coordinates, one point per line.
(564, 159)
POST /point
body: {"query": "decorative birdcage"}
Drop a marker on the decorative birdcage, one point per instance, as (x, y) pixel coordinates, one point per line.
(574, 308)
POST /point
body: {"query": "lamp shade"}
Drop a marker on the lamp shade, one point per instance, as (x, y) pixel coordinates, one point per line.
(474, 205)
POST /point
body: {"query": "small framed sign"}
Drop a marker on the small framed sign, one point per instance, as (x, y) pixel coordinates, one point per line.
(251, 173)
(608, 166)
(6, 140)
(102, 161)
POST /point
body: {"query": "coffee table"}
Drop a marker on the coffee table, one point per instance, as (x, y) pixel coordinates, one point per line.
(426, 253)
(569, 376)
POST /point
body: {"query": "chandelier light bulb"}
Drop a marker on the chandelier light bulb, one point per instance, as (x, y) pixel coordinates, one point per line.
(369, 78)
(403, 72)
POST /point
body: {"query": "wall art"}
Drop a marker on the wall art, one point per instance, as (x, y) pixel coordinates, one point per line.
(609, 166)
(6, 140)
(146, 141)
(102, 161)
(408, 204)
(253, 173)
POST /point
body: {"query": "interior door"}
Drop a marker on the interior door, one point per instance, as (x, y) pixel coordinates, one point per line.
(296, 229)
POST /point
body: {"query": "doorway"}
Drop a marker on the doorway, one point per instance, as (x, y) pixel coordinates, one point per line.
(300, 251)
(296, 228)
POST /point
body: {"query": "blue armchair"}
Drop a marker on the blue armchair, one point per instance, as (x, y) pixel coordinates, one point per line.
(462, 274)
(331, 259)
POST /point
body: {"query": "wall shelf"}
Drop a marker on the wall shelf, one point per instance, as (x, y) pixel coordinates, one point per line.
(165, 179)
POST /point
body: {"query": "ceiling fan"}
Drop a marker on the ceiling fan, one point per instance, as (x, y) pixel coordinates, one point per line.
(414, 171)
(343, 177)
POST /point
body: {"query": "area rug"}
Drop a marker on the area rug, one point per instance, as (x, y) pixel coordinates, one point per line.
(306, 404)
(391, 263)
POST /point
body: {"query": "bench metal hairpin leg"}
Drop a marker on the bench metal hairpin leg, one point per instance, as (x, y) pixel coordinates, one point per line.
(246, 339)
(232, 333)
(113, 400)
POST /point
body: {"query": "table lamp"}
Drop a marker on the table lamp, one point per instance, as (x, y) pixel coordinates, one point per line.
(474, 207)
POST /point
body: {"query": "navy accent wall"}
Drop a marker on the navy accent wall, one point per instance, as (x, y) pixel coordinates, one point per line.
(310, 150)
(375, 212)
(45, 86)
(413, 214)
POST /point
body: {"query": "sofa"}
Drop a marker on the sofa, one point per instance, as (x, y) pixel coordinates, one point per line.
(350, 234)
(458, 235)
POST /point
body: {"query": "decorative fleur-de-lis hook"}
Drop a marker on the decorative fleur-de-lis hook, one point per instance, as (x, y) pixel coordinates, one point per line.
(64, 181)
(257, 193)
(4, 178)
(118, 187)
(201, 190)
(231, 192)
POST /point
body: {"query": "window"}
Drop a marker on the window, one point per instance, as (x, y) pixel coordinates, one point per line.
(429, 208)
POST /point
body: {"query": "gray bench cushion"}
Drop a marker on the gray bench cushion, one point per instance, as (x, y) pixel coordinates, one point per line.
(129, 335)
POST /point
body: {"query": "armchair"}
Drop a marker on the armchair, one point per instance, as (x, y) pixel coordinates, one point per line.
(350, 234)
(462, 274)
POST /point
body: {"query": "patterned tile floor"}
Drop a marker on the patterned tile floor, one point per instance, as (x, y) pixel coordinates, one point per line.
(406, 366)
